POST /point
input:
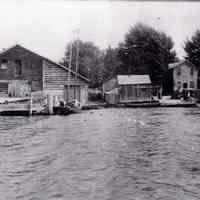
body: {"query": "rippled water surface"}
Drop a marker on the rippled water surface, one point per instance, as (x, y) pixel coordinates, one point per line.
(108, 154)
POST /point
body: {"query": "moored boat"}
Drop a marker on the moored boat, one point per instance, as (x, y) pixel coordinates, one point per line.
(68, 108)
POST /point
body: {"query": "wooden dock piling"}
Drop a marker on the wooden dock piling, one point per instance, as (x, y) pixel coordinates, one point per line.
(50, 104)
(31, 104)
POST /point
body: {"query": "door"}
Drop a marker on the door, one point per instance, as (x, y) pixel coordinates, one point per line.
(72, 93)
(185, 85)
(19, 88)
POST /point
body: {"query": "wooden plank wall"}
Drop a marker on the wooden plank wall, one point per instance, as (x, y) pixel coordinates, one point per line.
(19, 88)
(4, 89)
(78, 92)
(55, 78)
(55, 81)
(111, 98)
(135, 92)
(31, 67)
(74, 93)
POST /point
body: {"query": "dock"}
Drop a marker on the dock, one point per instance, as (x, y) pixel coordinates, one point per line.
(18, 106)
(94, 105)
(164, 102)
(25, 106)
(167, 102)
(142, 104)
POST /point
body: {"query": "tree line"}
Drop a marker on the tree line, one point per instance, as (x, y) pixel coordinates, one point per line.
(144, 50)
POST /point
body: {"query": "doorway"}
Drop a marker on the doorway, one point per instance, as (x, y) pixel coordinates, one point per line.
(185, 85)
(73, 93)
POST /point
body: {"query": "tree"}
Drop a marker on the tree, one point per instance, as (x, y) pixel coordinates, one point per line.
(192, 49)
(89, 61)
(110, 63)
(146, 51)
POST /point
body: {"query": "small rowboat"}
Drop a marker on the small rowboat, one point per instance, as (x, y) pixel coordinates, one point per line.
(69, 108)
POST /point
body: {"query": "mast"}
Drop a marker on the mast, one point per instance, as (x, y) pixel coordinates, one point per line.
(77, 56)
(77, 63)
(70, 62)
(69, 72)
(76, 32)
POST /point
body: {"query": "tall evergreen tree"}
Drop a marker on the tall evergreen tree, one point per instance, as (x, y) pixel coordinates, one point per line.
(192, 49)
(110, 62)
(146, 51)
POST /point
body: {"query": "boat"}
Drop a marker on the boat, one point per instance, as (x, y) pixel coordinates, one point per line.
(68, 108)
(74, 106)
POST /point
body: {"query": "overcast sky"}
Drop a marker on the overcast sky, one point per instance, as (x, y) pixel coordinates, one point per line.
(46, 26)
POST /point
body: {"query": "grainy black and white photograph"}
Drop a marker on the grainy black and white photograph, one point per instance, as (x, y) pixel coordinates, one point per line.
(99, 100)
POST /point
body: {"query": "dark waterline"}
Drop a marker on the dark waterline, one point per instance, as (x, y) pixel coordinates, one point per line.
(109, 154)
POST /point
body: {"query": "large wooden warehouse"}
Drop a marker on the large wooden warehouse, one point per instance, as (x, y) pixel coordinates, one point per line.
(23, 72)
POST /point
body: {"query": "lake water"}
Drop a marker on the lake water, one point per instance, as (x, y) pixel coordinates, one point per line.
(107, 154)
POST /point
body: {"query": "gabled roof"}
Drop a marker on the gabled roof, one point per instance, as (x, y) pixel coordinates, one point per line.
(47, 59)
(176, 64)
(133, 79)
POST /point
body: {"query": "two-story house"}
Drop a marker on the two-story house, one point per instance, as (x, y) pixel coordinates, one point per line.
(185, 76)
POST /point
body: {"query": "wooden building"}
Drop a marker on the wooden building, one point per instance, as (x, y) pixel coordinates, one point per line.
(185, 76)
(23, 72)
(128, 89)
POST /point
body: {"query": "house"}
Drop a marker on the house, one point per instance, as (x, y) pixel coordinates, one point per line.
(23, 71)
(185, 76)
(128, 88)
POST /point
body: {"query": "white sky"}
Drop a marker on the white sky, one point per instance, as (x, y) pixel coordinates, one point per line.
(46, 26)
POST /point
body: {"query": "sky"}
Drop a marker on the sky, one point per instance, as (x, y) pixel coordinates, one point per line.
(46, 26)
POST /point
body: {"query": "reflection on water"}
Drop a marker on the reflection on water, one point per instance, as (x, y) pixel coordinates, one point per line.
(111, 154)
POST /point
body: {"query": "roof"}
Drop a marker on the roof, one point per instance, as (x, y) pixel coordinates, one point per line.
(59, 65)
(176, 64)
(133, 79)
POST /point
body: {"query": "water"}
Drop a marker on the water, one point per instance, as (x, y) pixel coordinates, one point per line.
(108, 154)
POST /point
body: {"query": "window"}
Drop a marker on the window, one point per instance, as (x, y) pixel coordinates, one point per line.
(178, 71)
(137, 91)
(191, 84)
(191, 71)
(123, 92)
(4, 64)
(129, 91)
(18, 65)
(179, 85)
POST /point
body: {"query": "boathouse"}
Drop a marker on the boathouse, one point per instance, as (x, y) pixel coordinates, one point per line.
(24, 72)
(128, 89)
(185, 76)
